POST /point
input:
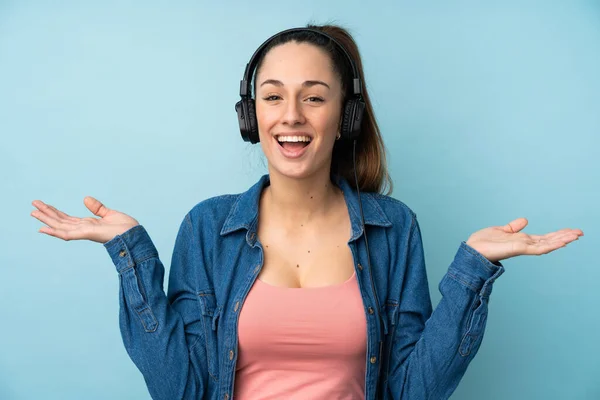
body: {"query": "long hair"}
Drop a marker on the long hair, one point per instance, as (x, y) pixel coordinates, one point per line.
(371, 165)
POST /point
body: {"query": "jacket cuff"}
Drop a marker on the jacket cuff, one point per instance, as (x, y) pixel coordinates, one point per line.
(130, 248)
(475, 271)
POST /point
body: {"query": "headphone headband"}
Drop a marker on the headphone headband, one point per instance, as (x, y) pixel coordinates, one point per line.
(245, 83)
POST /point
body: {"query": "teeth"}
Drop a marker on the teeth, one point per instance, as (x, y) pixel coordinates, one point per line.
(293, 138)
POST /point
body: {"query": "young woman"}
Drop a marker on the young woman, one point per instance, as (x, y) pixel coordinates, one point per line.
(302, 287)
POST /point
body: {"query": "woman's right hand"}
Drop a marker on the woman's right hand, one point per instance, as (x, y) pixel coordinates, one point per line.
(110, 224)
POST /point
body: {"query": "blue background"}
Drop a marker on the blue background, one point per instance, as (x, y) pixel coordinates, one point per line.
(489, 112)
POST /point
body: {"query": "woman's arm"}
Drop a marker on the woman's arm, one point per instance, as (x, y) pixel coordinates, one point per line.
(164, 337)
(160, 334)
(431, 351)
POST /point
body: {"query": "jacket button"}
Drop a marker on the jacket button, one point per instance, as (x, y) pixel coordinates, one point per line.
(237, 305)
(231, 354)
(371, 310)
(226, 397)
(360, 267)
(123, 253)
(373, 360)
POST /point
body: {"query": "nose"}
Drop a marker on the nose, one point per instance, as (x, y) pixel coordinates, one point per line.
(293, 113)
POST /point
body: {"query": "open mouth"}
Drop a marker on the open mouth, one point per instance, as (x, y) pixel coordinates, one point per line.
(293, 143)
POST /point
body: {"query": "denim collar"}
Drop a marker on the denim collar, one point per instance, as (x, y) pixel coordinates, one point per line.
(244, 212)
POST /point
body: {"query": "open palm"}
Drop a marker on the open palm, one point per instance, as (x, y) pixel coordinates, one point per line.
(63, 226)
(501, 242)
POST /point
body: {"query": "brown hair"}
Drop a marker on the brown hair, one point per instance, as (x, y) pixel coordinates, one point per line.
(371, 166)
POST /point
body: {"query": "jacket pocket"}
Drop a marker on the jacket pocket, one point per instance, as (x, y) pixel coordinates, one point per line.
(475, 326)
(132, 289)
(210, 316)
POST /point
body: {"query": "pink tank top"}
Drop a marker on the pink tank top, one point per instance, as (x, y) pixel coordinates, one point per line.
(302, 343)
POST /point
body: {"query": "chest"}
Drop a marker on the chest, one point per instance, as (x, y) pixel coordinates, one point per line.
(306, 256)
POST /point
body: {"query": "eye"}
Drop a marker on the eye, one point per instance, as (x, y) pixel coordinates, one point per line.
(314, 99)
(272, 97)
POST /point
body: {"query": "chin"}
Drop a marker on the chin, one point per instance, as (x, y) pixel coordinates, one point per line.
(300, 171)
(290, 172)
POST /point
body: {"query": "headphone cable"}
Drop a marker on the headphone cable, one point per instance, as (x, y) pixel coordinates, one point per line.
(362, 216)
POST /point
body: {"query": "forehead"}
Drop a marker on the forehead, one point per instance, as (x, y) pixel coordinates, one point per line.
(295, 60)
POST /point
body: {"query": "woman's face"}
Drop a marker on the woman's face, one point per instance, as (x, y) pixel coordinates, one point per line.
(298, 107)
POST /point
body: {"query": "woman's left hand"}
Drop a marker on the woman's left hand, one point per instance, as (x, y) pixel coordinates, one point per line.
(501, 242)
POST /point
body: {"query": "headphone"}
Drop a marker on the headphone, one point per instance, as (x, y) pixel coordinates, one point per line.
(246, 110)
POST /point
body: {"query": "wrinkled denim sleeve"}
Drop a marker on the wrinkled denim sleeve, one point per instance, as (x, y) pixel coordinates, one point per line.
(159, 333)
(431, 350)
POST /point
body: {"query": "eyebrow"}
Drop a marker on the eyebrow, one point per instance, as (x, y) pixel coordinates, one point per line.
(305, 84)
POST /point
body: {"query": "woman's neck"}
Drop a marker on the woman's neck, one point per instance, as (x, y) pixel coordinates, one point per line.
(300, 201)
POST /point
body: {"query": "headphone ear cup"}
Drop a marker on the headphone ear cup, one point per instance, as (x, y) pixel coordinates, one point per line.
(253, 123)
(242, 118)
(352, 119)
(247, 120)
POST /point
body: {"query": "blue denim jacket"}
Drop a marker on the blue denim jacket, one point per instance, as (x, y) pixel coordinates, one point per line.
(185, 342)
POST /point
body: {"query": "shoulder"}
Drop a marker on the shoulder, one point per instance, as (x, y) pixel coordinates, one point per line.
(398, 212)
(214, 208)
(216, 203)
(399, 219)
